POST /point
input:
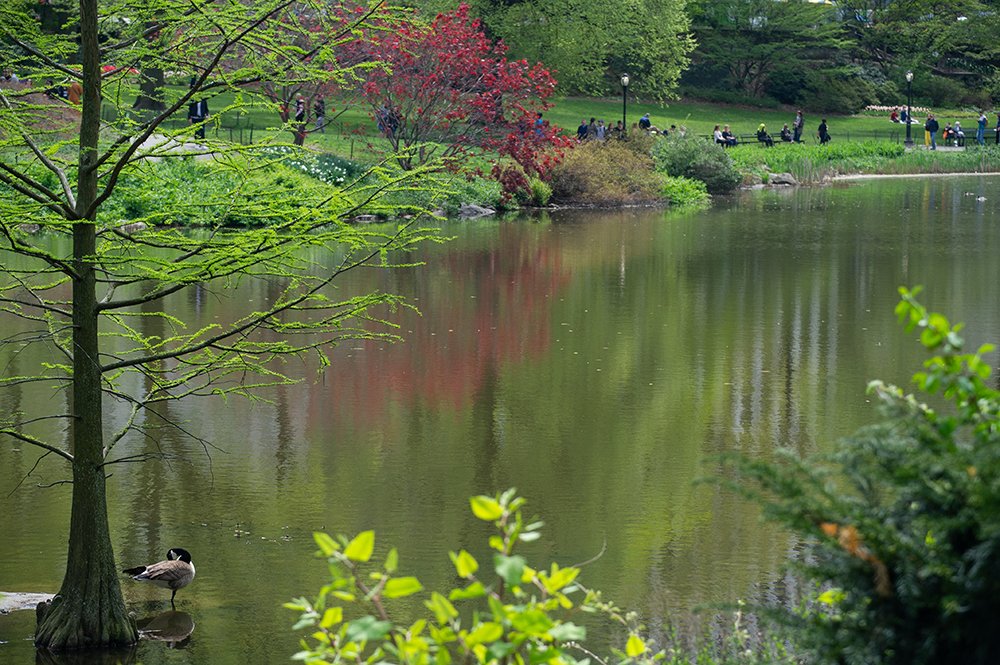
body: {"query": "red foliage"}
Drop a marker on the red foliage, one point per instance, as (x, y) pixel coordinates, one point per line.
(444, 89)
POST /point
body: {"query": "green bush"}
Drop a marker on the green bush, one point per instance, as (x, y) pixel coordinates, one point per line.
(501, 611)
(541, 192)
(683, 191)
(901, 525)
(183, 191)
(605, 173)
(696, 158)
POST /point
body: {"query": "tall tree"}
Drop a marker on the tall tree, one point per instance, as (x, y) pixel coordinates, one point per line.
(589, 45)
(953, 43)
(750, 40)
(84, 280)
(443, 89)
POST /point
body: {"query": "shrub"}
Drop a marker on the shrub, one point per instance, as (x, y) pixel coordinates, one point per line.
(183, 191)
(901, 524)
(501, 611)
(605, 173)
(541, 192)
(693, 157)
(683, 191)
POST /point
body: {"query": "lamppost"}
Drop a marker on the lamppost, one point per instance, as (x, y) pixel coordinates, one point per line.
(909, 118)
(624, 104)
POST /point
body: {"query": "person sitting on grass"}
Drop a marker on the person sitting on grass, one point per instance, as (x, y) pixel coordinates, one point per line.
(764, 137)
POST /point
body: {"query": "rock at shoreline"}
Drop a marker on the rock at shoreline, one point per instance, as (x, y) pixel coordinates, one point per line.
(783, 179)
(472, 211)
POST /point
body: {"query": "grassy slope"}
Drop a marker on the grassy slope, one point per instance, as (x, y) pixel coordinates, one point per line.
(350, 131)
(701, 117)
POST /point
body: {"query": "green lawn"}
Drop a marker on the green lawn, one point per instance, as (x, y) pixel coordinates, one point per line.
(350, 130)
(701, 118)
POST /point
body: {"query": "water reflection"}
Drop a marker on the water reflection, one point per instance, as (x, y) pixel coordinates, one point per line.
(88, 657)
(174, 628)
(597, 361)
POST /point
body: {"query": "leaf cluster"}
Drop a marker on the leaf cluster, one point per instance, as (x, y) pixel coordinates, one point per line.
(502, 611)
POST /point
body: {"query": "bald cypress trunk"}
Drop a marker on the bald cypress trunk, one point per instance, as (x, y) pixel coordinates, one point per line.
(89, 610)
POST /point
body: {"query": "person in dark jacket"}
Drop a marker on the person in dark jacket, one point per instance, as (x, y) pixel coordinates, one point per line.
(931, 127)
(823, 132)
(764, 137)
(198, 113)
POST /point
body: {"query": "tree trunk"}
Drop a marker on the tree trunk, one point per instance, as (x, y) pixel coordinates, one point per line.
(89, 610)
(151, 84)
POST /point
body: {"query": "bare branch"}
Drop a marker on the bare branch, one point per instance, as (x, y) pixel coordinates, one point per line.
(35, 442)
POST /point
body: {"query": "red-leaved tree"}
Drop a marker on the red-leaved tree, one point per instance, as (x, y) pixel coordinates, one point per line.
(444, 89)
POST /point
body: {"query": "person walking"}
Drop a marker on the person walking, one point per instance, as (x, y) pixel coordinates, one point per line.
(823, 132)
(798, 126)
(931, 127)
(981, 128)
(198, 114)
(319, 110)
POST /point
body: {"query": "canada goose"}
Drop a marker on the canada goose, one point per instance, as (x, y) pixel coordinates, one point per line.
(174, 573)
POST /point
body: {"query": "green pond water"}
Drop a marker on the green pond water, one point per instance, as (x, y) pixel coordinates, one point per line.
(598, 361)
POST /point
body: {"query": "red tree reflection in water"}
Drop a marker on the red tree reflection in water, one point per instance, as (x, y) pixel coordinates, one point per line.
(480, 309)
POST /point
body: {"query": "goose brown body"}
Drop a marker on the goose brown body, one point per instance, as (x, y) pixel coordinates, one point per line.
(176, 572)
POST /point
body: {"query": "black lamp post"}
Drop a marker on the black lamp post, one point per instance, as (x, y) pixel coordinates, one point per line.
(624, 104)
(909, 118)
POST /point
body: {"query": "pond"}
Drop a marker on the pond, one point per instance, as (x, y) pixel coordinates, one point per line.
(597, 361)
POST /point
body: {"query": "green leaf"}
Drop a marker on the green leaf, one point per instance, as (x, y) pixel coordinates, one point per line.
(360, 549)
(567, 632)
(486, 508)
(532, 622)
(509, 568)
(367, 629)
(465, 564)
(443, 610)
(832, 597)
(400, 587)
(635, 646)
(474, 590)
(392, 561)
(498, 650)
(327, 545)
(485, 632)
(332, 617)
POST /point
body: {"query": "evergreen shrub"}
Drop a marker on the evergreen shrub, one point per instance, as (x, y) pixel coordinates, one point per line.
(696, 158)
(901, 524)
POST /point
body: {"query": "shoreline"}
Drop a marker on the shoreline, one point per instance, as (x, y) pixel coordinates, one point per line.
(875, 176)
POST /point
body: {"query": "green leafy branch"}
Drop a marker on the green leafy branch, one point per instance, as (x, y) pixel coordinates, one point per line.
(507, 613)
